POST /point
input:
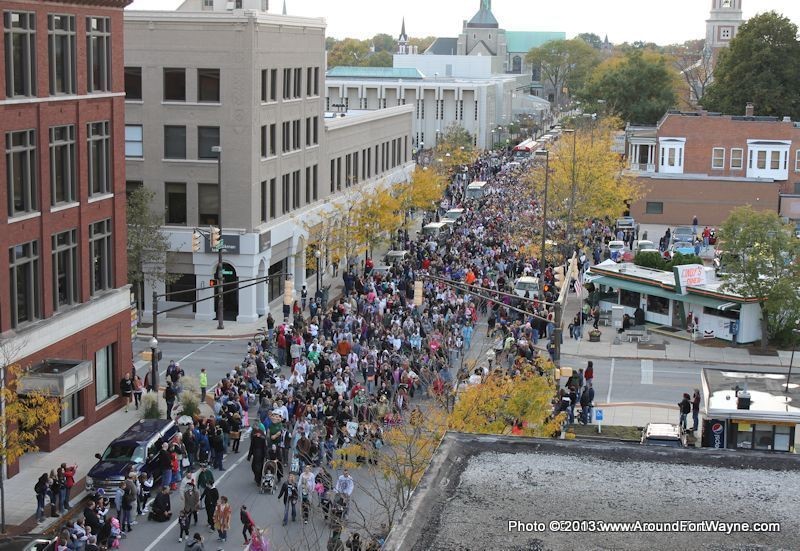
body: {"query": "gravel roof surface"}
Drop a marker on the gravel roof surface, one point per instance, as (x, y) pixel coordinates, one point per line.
(469, 497)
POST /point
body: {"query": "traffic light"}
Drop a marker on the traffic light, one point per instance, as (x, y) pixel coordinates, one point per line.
(417, 293)
(196, 237)
(558, 275)
(288, 292)
(215, 238)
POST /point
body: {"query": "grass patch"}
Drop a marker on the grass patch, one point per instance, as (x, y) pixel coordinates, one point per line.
(609, 431)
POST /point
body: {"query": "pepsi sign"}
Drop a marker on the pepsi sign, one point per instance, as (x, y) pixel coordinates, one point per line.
(717, 433)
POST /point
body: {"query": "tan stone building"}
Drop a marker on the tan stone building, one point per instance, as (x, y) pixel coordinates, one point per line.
(212, 75)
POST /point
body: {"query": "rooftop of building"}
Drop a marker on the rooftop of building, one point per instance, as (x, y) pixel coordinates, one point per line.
(388, 75)
(475, 485)
(343, 71)
(188, 12)
(443, 46)
(770, 397)
(483, 19)
(523, 41)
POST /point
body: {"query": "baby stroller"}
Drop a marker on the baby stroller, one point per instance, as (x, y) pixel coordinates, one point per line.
(268, 475)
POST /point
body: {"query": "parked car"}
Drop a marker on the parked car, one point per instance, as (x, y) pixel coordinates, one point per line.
(135, 450)
(616, 250)
(28, 542)
(454, 214)
(644, 244)
(683, 233)
(527, 284)
(395, 256)
(683, 247)
(663, 434)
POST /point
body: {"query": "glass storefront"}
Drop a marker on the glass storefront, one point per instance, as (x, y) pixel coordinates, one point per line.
(762, 436)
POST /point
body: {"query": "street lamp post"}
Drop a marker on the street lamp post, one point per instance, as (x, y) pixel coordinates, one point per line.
(317, 255)
(154, 362)
(218, 276)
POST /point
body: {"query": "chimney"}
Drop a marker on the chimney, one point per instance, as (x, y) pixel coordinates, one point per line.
(749, 109)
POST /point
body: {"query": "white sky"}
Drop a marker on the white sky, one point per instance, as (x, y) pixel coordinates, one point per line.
(660, 21)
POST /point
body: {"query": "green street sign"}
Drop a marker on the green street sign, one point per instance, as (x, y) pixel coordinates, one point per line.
(227, 272)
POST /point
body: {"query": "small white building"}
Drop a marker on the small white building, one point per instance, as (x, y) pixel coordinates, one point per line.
(673, 299)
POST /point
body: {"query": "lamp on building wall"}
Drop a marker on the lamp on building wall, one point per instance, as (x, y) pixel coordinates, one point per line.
(154, 364)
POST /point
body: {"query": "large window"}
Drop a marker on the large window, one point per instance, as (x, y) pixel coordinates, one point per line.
(207, 139)
(287, 84)
(273, 85)
(174, 84)
(208, 85)
(61, 53)
(273, 191)
(207, 204)
(62, 165)
(20, 53)
(737, 158)
(99, 152)
(658, 305)
(183, 289)
(296, 189)
(315, 183)
(273, 139)
(296, 134)
(628, 298)
(718, 158)
(71, 408)
(65, 269)
(133, 141)
(263, 141)
(263, 201)
(100, 256)
(654, 207)
(98, 54)
(23, 261)
(133, 83)
(174, 142)
(21, 172)
(175, 203)
(285, 193)
(104, 373)
(298, 82)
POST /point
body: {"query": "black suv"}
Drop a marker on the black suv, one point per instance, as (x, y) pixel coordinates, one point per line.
(135, 450)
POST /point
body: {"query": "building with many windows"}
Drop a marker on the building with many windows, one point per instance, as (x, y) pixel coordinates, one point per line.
(211, 75)
(706, 164)
(65, 308)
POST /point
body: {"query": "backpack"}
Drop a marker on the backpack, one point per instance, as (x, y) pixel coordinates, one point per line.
(39, 487)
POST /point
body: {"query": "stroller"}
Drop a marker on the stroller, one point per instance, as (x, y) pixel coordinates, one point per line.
(268, 477)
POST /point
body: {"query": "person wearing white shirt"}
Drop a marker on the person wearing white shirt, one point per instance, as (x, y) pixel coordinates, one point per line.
(281, 384)
(313, 329)
(345, 484)
(340, 386)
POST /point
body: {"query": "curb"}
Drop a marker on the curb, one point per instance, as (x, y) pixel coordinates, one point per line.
(668, 359)
(194, 338)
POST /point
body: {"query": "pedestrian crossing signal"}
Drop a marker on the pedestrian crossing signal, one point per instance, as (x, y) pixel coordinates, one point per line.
(212, 282)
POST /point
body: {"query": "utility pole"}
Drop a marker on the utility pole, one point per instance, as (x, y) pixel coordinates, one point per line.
(218, 276)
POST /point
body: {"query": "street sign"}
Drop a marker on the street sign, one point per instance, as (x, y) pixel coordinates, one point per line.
(598, 414)
(227, 272)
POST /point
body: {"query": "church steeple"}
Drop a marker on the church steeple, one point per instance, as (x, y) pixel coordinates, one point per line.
(484, 19)
(284, 7)
(402, 40)
(403, 36)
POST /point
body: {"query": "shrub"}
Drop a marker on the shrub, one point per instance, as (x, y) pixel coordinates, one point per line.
(190, 404)
(652, 260)
(150, 409)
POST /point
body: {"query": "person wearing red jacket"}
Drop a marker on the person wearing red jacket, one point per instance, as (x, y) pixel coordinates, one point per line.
(69, 474)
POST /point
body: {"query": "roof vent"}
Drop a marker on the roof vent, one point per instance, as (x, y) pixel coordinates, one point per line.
(743, 400)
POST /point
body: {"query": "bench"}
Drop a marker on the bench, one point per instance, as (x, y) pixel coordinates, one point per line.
(640, 336)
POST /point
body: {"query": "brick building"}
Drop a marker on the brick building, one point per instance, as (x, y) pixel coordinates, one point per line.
(707, 164)
(64, 301)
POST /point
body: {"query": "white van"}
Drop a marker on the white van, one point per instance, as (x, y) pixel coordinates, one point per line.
(436, 229)
(395, 256)
(616, 250)
(527, 284)
(454, 214)
(476, 190)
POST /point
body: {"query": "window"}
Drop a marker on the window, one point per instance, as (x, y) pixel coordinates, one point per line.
(737, 157)
(285, 193)
(671, 155)
(21, 172)
(762, 437)
(100, 256)
(175, 203)
(71, 408)
(273, 130)
(775, 160)
(208, 85)
(298, 80)
(783, 435)
(264, 85)
(316, 81)
(285, 142)
(653, 207)
(296, 134)
(65, 269)
(104, 373)
(61, 53)
(23, 262)
(314, 183)
(797, 161)
(744, 436)
(768, 159)
(273, 85)
(718, 158)
(131, 186)
(273, 190)
(133, 141)
(287, 83)
(725, 33)
(308, 131)
(184, 288)
(133, 83)
(207, 138)
(98, 54)
(309, 81)
(20, 53)
(263, 142)
(315, 131)
(174, 142)
(629, 298)
(296, 189)
(174, 84)
(658, 305)
(727, 3)
(263, 202)
(62, 165)
(308, 185)
(207, 204)
(333, 175)
(99, 152)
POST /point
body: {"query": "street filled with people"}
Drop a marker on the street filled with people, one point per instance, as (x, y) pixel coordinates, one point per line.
(331, 375)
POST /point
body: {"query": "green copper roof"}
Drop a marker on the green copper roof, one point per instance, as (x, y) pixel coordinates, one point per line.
(522, 41)
(374, 72)
(484, 19)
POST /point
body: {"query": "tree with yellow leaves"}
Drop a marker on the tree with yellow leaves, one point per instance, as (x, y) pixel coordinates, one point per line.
(601, 189)
(423, 190)
(500, 401)
(455, 148)
(376, 216)
(388, 476)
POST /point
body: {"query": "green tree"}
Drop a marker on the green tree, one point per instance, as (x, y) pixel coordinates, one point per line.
(384, 43)
(348, 52)
(762, 252)
(639, 87)
(762, 65)
(379, 59)
(147, 244)
(564, 64)
(591, 39)
(422, 44)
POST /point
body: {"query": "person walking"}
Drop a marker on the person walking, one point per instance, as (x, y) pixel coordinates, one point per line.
(695, 409)
(40, 489)
(138, 388)
(248, 524)
(191, 502)
(289, 495)
(126, 389)
(169, 398)
(685, 409)
(210, 499)
(222, 518)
